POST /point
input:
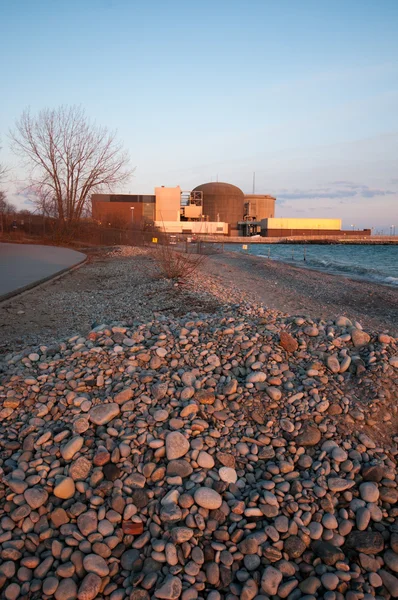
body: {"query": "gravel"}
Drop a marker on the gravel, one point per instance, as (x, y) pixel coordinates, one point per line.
(202, 454)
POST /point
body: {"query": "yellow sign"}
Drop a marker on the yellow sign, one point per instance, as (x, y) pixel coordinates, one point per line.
(154, 240)
(244, 247)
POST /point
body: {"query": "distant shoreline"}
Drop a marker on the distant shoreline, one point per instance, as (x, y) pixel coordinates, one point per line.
(297, 289)
(300, 241)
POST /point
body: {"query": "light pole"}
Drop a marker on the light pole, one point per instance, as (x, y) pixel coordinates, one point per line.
(392, 228)
(132, 214)
(353, 227)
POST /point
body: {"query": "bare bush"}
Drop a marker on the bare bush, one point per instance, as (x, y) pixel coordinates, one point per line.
(173, 263)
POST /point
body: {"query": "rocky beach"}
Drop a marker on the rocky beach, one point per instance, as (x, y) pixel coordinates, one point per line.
(235, 437)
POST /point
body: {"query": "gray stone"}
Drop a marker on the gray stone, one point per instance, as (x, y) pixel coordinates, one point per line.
(309, 436)
(330, 581)
(390, 582)
(181, 534)
(367, 542)
(338, 484)
(228, 475)
(87, 522)
(129, 559)
(171, 588)
(35, 497)
(90, 587)
(310, 585)
(391, 560)
(294, 546)
(327, 552)
(104, 413)
(359, 338)
(67, 590)
(205, 460)
(208, 498)
(369, 491)
(96, 564)
(177, 445)
(270, 580)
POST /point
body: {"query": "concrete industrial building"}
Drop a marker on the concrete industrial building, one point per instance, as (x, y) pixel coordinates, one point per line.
(209, 209)
(222, 202)
(212, 208)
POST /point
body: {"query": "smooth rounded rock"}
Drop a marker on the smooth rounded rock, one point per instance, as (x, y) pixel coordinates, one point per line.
(228, 475)
(90, 587)
(104, 413)
(208, 498)
(96, 564)
(369, 491)
(36, 497)
(72, 447)
(177, 445)
(65, 488)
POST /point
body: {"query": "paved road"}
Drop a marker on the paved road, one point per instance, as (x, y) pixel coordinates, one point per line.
(22, 265)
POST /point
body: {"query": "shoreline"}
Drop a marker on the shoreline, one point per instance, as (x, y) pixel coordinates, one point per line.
(303, 264)
(301, 290)
(109, 289)
(382, 241)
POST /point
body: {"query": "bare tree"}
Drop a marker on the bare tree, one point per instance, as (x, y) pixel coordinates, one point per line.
(3, 171)
(69, 158)
(6, 209)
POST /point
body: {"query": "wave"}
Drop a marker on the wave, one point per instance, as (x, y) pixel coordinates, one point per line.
(336, 267)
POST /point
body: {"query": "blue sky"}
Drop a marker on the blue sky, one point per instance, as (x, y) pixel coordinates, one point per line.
(304, 93)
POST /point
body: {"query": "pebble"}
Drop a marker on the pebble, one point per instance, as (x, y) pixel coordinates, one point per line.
(171, 588)
(177, 445)
(270, 581)
(95, 564)
(104, 413)
(36, 497)
(208, 498)
(228, 475)
(65, 488)
(205, 460)
(90, 587)
(369, 491)
(72, 447)
(219, 455)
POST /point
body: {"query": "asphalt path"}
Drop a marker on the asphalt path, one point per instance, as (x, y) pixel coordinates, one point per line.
(24, 265)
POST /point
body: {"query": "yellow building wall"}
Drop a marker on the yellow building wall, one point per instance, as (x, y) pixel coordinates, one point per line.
(308, 224)
(168, 203)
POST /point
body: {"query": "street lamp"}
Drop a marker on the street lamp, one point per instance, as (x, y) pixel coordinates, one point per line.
(132, 214)
(392, 228)
(353, 227)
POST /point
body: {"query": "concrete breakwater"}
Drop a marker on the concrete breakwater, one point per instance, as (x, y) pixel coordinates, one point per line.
(245, 454)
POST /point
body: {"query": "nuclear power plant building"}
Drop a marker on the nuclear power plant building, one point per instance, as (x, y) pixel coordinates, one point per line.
(213, 208)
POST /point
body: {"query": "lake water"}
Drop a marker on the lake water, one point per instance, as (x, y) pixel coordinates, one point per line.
(373, 263)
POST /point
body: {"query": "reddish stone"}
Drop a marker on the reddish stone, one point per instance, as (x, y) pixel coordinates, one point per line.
(205, 397)
(131, 528)
(288, 342)
(101, 457)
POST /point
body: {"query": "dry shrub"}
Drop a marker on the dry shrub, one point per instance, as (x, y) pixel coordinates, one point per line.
(175, 264)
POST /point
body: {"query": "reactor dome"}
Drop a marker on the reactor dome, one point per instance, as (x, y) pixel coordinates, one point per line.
(222, 202)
